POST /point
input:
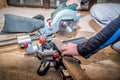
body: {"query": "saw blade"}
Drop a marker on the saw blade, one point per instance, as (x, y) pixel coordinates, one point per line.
(66, 27)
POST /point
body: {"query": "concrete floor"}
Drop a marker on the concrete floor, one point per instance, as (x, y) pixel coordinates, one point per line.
(104, 65)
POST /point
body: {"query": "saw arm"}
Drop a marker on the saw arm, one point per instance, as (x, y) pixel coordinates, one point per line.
(61, 20)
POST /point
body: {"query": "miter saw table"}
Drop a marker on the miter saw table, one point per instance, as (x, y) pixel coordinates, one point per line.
(70, 66)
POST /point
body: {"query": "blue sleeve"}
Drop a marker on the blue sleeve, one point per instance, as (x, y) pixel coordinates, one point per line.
(105, 37)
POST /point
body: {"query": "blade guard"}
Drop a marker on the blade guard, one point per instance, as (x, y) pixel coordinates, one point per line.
(65, 14)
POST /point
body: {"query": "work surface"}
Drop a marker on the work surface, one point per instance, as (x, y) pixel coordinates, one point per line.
(104, 65)
(101, 66)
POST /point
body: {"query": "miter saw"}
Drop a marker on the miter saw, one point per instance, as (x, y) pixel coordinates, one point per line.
(64, 22)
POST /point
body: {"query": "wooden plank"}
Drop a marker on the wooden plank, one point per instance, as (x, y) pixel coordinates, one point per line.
(74, 68)
(71, 65)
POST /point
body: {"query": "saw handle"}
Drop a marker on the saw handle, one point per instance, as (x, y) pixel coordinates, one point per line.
(63, 6)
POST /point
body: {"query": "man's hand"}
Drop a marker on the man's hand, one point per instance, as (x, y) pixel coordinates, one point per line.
(69, 49)
(78, 2)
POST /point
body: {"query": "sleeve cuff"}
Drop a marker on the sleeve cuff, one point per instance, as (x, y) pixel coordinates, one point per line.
(81, 52)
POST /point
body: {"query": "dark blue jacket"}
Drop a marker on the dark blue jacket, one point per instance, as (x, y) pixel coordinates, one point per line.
(107, 36)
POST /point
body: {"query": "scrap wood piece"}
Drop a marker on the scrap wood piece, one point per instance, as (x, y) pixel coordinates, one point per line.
(74, 68)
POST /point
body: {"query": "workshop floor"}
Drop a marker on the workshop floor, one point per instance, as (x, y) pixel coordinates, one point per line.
(104, 65)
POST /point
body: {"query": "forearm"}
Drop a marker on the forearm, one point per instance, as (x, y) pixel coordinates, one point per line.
(105, 37)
